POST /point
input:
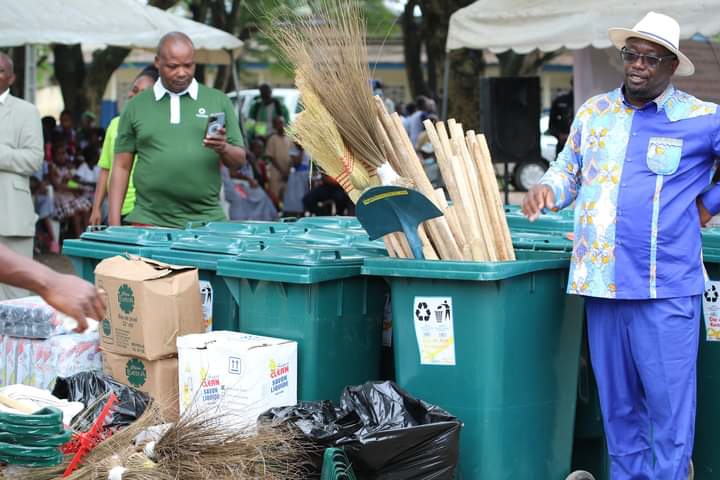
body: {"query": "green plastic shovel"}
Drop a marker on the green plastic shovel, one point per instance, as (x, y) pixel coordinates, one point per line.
(389, 209)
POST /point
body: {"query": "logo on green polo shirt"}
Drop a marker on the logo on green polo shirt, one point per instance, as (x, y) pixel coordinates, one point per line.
(135, 372)
(107, 328)
(126, 298)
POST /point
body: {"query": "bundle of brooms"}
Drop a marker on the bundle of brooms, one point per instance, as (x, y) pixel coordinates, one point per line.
(203, 447)
(352, 138)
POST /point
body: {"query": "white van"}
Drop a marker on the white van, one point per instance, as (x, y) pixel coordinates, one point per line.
(243, 101)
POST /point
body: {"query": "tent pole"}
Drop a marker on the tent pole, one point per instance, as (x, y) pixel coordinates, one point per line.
(446, 82)
(29, 74)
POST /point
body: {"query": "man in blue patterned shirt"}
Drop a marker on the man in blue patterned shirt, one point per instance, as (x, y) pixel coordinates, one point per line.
(637, 164)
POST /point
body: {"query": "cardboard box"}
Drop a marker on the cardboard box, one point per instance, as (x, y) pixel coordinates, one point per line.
(157, 378)
(236, 373)
(149, 304)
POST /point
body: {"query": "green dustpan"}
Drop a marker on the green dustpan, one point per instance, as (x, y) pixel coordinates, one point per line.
(384, 210)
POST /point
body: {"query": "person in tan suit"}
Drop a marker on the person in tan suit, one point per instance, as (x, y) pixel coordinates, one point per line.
(21, 154)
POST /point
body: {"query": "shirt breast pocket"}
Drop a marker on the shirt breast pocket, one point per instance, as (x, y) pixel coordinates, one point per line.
(663, 155)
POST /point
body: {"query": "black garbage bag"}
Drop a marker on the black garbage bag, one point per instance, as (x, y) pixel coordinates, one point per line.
(88, 387)
(386, 433)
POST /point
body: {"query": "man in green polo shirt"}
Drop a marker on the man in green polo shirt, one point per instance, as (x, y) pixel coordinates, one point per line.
(177, 176)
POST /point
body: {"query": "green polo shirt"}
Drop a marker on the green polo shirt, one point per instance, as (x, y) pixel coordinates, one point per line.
(106, 161)
(177, 179)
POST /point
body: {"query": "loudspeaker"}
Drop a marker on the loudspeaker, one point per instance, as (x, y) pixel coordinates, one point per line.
(510, 116)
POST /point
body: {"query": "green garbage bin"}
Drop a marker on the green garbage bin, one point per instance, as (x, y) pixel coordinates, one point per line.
(707, 423)
(316, 296)
(204, 252)
(589, 448)
(97, 244)
(547, 241)
(549, 222)
(502, 356)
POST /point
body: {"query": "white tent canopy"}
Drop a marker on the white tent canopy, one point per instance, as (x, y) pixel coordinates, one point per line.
(123, 23)
(526, 25)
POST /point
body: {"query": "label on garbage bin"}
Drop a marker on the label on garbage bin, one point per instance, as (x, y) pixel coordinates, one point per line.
(433, 317)
(206, 297)
(711, 311)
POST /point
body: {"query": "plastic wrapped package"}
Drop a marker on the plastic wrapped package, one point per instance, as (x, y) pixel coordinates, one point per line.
(92, 389)
(38, 363)
(30, 317)
(386, 433)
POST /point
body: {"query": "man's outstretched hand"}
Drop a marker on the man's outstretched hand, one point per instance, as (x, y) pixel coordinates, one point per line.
(75, 298)
(537, 198)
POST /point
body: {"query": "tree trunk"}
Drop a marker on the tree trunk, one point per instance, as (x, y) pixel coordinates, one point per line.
(467, 66)
(436, 21)
(70, 74)
(412, 43)
(18, 57)
(103, 65)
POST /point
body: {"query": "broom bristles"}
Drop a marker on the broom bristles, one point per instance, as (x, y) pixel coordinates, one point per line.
(329, 53)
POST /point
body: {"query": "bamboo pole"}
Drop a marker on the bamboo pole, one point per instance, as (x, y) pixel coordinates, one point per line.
(486, 232)
(456, 211)
(488, 187)
(389, 246)
(455, 181)
(451, 215)
(486, 161)
(438, 227)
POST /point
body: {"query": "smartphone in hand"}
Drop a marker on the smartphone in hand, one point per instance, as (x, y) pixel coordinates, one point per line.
(216, 121)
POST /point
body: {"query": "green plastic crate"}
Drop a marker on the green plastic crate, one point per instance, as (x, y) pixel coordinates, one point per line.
(317, 297)
(516, 344)
(336, 465)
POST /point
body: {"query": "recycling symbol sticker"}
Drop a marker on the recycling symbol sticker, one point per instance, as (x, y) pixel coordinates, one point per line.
(135, 372)
(126, 298)
(422, 311)
(434, 330)
(712, 294)
(711, 311)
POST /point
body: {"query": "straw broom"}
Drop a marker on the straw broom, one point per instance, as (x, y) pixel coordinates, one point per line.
(329, 53)
(117, 442)
(315, 129)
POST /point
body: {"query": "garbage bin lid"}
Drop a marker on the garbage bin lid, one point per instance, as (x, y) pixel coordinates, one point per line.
(218, 244)
(562, 221)
(529, 261)
(140, 236)
(245, 227)
(293, 263)
(711, 238)
(323, 237)
(331, 222)
(309, 255)
(541, 241)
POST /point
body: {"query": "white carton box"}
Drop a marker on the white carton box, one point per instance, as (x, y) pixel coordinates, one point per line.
(229, 372)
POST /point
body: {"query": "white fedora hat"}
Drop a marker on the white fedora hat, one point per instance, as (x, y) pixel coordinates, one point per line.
(656, 28)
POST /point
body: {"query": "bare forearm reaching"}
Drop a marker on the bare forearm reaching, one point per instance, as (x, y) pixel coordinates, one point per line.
(67, 293)
(100, 192)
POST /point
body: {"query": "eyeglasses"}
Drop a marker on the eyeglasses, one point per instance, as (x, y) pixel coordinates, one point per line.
(650, 60)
